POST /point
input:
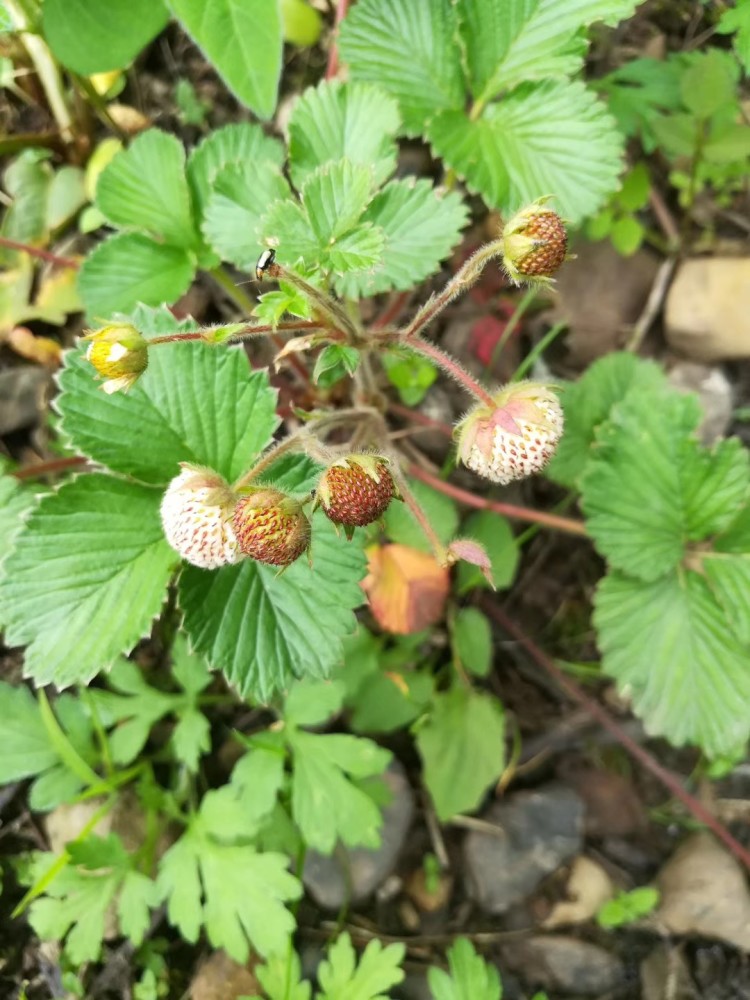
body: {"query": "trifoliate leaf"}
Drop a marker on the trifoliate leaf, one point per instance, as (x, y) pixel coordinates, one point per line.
(29, 750)
(238, 198)
(651, 489)
(587, 404)
(335, 121)
(77, 901)
(495, 535)
(342, 978)
(299, 618)
(129, 268)
(231, 420)
(243, 41)
(241, 142)
(530, 145)
(359, 249)
(144, 187)
(683, 668)
(409, 49)
(95, 36)
(640, 91)
(462, 746)
(335, 196)
(509, 42)
(236, 892)
(327, 805)
(469, 976)
(471, 637)
(87, 577)
(421, 226)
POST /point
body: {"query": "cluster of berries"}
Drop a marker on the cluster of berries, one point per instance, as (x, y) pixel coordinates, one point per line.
(210, 525)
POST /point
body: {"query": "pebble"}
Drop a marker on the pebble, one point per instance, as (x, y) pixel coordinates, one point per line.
(537, 832)
(324, 876)
(707, 311)
(713, 389)
(565, 963)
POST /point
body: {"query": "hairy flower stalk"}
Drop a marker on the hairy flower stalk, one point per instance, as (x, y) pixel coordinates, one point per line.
(514, 437)
(196, 513)
(119, 354)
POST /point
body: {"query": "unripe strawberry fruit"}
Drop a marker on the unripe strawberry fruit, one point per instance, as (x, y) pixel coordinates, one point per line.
(271, 527)
(356, 490)
(517, 438)
(196, 513)
(535, 244)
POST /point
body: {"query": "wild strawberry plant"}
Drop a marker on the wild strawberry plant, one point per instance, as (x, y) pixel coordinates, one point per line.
(240, 551)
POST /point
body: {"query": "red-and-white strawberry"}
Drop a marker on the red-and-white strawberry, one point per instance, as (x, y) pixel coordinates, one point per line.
(271, 527)
(515, 439)
(196, 513)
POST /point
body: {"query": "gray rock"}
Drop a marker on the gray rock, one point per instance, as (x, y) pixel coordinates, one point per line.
(536, 832)
(326, 878)
(564, 963)
(21, 397)
(715, 392)
(707, 312)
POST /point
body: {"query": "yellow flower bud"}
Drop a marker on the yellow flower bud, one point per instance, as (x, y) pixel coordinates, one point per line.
(120, 355)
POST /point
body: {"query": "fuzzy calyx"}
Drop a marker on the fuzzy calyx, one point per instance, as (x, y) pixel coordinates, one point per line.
(271, 527)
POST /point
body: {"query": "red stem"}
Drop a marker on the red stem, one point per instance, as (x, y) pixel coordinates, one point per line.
(333, 56)
(554, 521)
(249, 331)
(452, 367)
(420, 418)
(392, 311)
(47, 468)
(51, 258)
(575, 693)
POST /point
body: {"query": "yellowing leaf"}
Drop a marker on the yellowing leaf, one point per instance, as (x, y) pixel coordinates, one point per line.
(407, 588)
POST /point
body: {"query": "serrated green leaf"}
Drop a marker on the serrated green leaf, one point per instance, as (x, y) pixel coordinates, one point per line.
(335, 121)
(728, 576)
(15, 505)
(237, 201)
(280, 978)
(462, 746)
(710, 82)
(496, 536)
(359, 249)
(87, 577)
(191, 737)
(651, 489)
(470, 977)
(509, 42)
(737, 20)
(327, 805)
(530, 145)
(27, 180)
(299, 619)
(335, 196)
(144, 187)
(241, 142)
(236, 892)
(421, 226)
(410, 50)
(341, 977)
(243, 40)
(287, 228)
(231, 419)
(587, 404)
(401, 526)
(683, 668)
(410, 373)
(472, 641)
(94, 36)
(258, 776)
(129, 268)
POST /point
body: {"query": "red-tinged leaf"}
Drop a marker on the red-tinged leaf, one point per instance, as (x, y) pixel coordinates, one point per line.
(474, 553)
(407, 588)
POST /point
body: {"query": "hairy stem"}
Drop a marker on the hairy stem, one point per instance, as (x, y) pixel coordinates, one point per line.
(462, 280)
(336, 315)
(333, 56)
(439, 550)
(555, 521)
(450, 366)
(249, 331)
